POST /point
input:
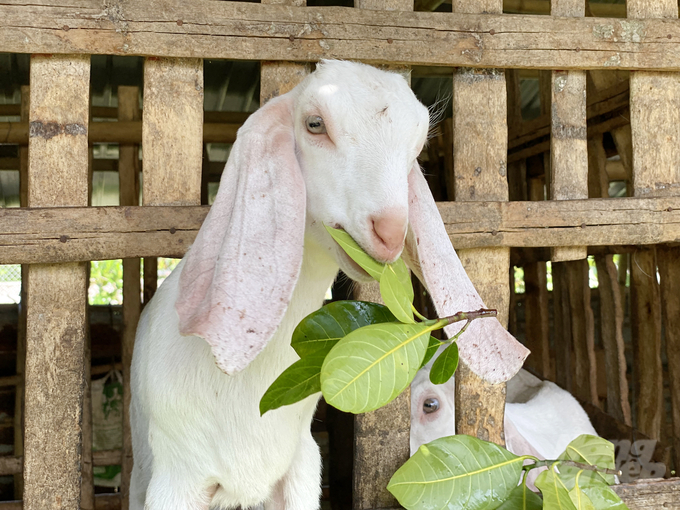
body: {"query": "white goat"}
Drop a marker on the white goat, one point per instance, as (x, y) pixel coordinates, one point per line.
(541, 418)
(340, 149)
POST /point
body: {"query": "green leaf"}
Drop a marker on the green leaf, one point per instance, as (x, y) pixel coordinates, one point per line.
(322, 329)
(445, 365)
(456, 472)
(592, 450)
(579, 498)
(372, 365)
(358, 255)
(297, 382)
(555, 493)
(432, 348)
(604, 498)
(397, 291)
(522, 498)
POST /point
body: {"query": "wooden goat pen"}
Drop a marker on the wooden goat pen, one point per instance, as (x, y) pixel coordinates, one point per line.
(494, 157)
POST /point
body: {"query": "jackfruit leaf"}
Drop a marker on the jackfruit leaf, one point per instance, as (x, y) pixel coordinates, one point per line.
(372, 365)
(456, 472)
(396, 290)
(604, 498)
(592, 450)
(580, 499)
(322, 329)
(297, 382)
(357, 254)
(555, 493)
(445, 365)
(432, 348)
(522, 498)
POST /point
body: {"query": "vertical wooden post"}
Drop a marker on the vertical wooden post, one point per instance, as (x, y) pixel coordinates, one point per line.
(480, 144)
(172, 137)
(655, 127)
(611, 308)
(19, 395)
(172, 132)
(56, 297)
(669, 268)
(536, 302)
(381, 437)
(128, 175)
(568, 137)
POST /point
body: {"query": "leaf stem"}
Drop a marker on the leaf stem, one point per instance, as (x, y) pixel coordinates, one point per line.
(470, 316)
(417, 313)
(579, 465)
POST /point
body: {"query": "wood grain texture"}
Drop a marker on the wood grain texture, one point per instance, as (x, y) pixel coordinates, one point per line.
(381, 437)
(172, 131)
(19, 395)
(669, 271)
(236, 30)
(480, 146)
(611, 305)
(647, 494)
(56, 294)
(128, 171)
(645, 311)
(100, 233)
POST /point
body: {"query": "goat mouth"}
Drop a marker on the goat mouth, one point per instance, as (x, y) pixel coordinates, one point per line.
(351, 268)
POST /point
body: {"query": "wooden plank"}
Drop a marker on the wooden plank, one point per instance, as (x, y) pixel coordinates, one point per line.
(101, 233)
(247, 31)
(655, 128)
(56, 294)
(646, 494)
(669, 270)
(479, 121)
(543, 7)
(381, 437)
(128, 171)
(568, 136)
(101, 502)
(127, 132)
(10, 465)
(611, 306)
(172, 131)
(19, 395)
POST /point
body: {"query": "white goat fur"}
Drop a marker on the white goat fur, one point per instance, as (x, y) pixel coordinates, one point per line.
(218, 331)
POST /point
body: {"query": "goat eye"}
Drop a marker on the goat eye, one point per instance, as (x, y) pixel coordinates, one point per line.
(315, 125)
(431, 405)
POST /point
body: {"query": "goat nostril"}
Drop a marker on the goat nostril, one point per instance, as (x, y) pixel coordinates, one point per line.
(390, 228)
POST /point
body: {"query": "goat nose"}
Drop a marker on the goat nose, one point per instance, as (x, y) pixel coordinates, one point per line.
(390, 229)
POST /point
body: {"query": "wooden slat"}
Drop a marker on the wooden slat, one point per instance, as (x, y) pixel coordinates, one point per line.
(655, 127)
(381, 437)
(10, 465)
(172, 131)
(236, 30)
(480, 146)
(128, 132)
(56, 294)
(101, 502)
(100, 233)
(128, 171)
(568, 140)
(647, 494)
(669, 269)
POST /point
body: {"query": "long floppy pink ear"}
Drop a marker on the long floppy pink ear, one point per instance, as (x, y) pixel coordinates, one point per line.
(486, 347)
(239, 275)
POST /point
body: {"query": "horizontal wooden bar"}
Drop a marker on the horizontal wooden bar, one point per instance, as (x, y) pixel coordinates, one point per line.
(10, 465)
(543, 7)
(67, 234)
(252, 31)
(646, 494)
(118, 132)
(101, 502)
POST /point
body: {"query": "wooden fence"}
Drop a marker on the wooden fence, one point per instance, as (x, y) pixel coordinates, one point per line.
(55, 232)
